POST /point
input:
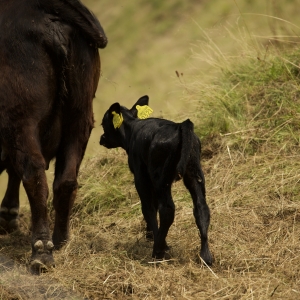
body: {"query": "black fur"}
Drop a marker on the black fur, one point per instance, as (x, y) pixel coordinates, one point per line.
(159, 153)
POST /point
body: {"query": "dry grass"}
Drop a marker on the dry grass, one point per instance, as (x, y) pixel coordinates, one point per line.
(254, 235)
(252, 181)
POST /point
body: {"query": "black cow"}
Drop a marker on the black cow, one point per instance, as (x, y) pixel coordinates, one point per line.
(50, 67)
(159, 153)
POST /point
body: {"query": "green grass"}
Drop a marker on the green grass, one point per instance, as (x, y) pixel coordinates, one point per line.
(103, 189)
(254, 102)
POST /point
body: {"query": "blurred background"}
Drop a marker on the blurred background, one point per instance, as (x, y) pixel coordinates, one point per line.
(149, 41)
(157, 48)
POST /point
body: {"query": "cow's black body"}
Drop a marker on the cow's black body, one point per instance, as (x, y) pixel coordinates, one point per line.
(159, 153)
(50, 67)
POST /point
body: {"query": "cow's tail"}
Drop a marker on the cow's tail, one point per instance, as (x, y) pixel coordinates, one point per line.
(76, 14)
(187, 129)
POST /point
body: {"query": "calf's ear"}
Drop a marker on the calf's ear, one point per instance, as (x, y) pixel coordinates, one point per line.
(115, 113)
(143, 101)
(115, 107)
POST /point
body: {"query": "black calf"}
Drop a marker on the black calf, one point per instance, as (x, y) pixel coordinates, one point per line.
(159, 153)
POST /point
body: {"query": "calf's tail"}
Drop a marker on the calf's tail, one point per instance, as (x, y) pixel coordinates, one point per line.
(187, 131)
(76, 14)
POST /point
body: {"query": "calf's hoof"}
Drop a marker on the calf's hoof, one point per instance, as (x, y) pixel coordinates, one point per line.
(206, 257)
(42, 258)
(149, 235)
(9, 219)
(161, 251)
(160, 255)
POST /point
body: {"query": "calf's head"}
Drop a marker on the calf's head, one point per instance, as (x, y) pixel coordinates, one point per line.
(115, 117)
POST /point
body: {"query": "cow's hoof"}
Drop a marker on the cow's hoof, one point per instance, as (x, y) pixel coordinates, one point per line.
(42, 258)
(9, 219)
(59, 238)
(59, 244)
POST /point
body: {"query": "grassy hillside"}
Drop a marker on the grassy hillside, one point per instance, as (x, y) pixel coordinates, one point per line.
(251, 162)
(242, 93)
(249, 123)
(150, 40)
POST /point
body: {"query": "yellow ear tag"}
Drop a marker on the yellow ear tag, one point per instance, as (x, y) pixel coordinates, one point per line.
(144, 111)
(117, 119)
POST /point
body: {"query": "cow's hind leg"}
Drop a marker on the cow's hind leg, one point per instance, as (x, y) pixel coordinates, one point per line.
(9, 210)
(77, 123)
(65, 184)
(196, 185)
(65, 189)
(30, 165)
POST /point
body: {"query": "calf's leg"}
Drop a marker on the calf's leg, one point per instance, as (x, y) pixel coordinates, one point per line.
(166, 209)
(149, 231)
(196, 186)
(9, 209)
(149, 207)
